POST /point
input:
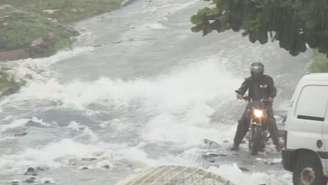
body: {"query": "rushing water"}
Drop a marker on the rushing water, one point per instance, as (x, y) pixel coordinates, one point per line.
(138, 89)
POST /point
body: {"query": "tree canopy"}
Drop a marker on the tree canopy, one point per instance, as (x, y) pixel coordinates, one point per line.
(295, 24)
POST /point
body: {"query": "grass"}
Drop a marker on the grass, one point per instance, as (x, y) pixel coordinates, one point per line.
(65, 11)
(19, 29)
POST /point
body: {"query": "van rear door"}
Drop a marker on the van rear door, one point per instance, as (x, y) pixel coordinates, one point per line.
(306, 120)
(324, 153)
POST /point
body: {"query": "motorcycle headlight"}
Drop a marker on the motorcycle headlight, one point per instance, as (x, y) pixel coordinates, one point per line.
(258, 113)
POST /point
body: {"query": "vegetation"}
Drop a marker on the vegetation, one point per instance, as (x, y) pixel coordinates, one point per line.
(65, 11)
(41, 27)
(295, 24)
(19, 29)
(319, 63)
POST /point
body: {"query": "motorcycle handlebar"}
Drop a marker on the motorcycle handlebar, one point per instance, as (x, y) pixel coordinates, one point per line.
(247, 98)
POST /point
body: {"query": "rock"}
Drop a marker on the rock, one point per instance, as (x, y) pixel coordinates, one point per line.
(5, 6)
(211, 143)
(51, 35)
(105, 165)
(210, 155)
(117, 42)
(20, 134)
(31, 171)
(52, 20)
(127, 2)
(244, 169)
(47, 181)
(14, 54)
(83, 167)
(15, 182)
(212, 160)
(42, 168)
(72, 162)
(37, 42)
(5, 24)
(30, 180)
(89, 159)
(50, 11)
(269, 163)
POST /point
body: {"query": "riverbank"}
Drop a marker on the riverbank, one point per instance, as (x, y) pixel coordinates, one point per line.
(42, 27)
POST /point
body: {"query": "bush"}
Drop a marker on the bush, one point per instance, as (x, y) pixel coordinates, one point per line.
(319, 63)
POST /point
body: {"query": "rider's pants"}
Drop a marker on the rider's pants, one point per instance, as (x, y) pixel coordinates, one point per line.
(244, 123)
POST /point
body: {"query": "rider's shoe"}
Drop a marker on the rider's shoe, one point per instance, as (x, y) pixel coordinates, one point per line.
(234, 148)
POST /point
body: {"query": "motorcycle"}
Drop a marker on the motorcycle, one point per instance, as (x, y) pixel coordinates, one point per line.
(258, 133)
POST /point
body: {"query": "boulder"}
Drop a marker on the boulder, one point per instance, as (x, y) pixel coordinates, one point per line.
(31, 171)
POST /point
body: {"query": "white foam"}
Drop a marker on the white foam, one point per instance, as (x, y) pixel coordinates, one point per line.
(53, 155)
(155, 26)
(85, 132)
(136, 155)
(15, 124)
(178, 103)
(167, 128)
(182, 88)
(19, 123)
(75, 126)
(40, 121)
(38, 69)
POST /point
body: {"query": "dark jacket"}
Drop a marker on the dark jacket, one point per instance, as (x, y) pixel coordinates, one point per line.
(258, 88)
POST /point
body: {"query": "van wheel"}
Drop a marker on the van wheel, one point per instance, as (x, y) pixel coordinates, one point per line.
(308, 171)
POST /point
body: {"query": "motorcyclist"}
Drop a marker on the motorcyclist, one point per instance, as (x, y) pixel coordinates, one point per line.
(259, 86)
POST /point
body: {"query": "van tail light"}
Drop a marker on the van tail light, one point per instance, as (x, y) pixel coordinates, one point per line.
(285, 139)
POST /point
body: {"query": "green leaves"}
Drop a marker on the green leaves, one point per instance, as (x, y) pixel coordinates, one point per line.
(294, 23)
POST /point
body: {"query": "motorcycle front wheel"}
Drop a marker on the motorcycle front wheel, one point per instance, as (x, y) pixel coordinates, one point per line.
(255, 140)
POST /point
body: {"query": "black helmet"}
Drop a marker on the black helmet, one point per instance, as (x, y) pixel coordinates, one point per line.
(257, 69)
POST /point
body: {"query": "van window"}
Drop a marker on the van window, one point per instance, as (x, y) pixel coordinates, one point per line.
(312, 103)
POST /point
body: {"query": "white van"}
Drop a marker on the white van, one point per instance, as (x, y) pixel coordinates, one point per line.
(306, 140)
